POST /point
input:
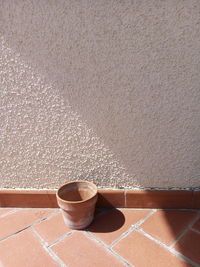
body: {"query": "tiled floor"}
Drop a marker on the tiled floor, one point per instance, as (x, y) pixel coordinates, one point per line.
(117, 237)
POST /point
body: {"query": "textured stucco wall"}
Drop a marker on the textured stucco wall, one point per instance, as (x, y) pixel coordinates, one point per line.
(107, 91)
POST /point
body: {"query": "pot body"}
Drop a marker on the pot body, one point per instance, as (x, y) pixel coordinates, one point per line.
(77, 201)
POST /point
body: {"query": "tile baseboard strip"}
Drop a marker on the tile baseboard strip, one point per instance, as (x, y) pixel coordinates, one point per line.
(119, 198)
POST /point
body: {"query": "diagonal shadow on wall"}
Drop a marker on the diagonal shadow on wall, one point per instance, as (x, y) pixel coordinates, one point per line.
(120, 68)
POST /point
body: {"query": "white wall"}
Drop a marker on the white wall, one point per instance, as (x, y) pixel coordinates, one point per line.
(107, 91)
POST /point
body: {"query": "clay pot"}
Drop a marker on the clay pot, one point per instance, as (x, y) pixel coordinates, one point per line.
(77, 202)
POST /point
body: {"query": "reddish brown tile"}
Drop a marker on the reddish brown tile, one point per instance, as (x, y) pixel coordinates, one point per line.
(167, 225)
(26, 198)
(107, 198)
(143, 252)
(52, 229)
(21, 219)
(79, 250)
(196, 199)
(189, 246)
(196, 226)
(111, 198)
(159, 199)
(24, 249)
(110, 225)
(52, 197)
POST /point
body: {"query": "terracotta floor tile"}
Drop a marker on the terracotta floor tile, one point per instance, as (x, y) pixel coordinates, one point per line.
(24, 249)
(4, 211)
(51, 229)
(196, 226)
(166, 225)
(189, 245)
(113, 223)
(21, 219)
(143, 252)
(79, 250)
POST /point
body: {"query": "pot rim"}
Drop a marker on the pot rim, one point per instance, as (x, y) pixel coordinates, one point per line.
(74, 182)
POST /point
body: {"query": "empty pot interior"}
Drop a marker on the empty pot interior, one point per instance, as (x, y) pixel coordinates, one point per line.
(77, 191)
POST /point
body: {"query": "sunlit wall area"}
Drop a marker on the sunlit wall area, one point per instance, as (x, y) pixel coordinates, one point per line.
(107, 91)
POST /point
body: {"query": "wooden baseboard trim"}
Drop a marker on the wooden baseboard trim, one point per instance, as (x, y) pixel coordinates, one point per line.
(119, 198)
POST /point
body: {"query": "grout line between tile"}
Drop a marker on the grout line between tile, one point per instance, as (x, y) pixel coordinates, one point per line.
(48, 249)
(123, 235)
(43, 219)
(9, 213)
(194, 230)
(47, 218)
(141, 231)
(173, 251)
(197, 218)
(141, 221)
(61, 238)
(189, 226)
(120, 257)
(14, 234)
(55, 257)
(183, 257)
(30, 225)
(91, 236)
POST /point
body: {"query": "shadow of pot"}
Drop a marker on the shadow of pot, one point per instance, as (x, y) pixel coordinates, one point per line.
(77, 201)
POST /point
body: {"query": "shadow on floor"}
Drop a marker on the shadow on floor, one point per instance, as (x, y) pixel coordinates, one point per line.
(173, 229)
(114, 218)
(179, 228)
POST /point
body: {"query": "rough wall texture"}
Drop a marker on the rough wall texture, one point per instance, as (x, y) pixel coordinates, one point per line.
(107, 91)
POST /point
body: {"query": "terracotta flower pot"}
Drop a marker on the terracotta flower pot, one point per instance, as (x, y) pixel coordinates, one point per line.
(77, 201)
